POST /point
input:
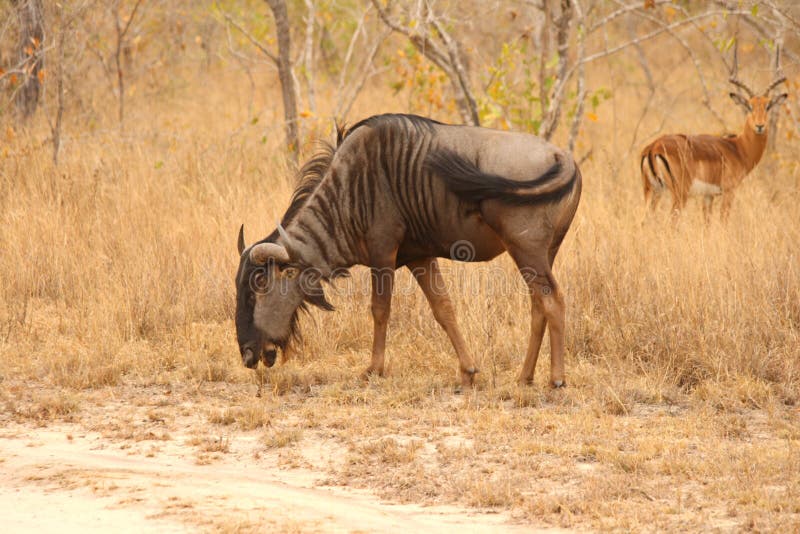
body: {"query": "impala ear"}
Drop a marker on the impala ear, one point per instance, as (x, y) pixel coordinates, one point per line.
(777, 100)
(742, 101)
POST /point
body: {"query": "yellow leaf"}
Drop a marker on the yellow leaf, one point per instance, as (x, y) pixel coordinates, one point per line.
(591, 116)
(40, 75)
(305, 113)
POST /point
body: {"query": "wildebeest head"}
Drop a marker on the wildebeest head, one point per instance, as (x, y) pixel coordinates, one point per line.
(271, 288)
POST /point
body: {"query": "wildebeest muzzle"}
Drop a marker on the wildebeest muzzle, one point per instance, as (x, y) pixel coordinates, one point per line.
(251, 355)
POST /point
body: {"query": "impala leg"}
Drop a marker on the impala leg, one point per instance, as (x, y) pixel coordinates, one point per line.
(678, 202)
(727, 202)
(653, 200)
(429, 278)
(382, 284)
(708, 205)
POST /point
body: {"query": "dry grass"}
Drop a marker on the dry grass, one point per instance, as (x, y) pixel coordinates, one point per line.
(683, 343)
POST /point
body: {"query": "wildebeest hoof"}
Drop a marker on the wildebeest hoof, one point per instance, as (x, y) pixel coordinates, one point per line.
(268, 357)
(369, 371)
(249, 359)
(468, 377)
(559, 384)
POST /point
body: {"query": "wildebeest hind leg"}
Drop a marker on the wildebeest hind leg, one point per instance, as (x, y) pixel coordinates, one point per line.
(538, 323)
(547, 308)
(429, 278)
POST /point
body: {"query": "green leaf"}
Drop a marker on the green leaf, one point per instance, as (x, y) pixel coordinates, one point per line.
(754, 10)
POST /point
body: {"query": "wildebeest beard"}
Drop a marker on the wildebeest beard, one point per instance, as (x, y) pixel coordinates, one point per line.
(295, 336)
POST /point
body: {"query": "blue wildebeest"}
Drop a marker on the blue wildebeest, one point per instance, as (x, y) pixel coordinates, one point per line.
(401, 190)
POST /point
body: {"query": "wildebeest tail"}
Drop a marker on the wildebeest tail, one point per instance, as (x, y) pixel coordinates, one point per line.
(468, 181)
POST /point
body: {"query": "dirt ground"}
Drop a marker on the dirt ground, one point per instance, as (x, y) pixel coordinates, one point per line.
(152, 475)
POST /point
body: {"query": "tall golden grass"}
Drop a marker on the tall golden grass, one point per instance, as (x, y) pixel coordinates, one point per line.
(118, 264)
(117, 269)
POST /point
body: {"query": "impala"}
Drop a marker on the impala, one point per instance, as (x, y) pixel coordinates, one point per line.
(709, 165)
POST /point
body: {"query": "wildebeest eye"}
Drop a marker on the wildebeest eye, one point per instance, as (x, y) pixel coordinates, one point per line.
(290, 272)
(259, 281)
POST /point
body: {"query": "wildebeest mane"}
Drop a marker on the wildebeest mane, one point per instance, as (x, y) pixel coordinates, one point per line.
(313, 171)
(391, 119)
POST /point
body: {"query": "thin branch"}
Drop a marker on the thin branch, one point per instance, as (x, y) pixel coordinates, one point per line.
(580, 49)
(367, 71)
(350, 47)
(695, 61)
(130, 19)
(618, 13)
(643, 38)
(250, 38)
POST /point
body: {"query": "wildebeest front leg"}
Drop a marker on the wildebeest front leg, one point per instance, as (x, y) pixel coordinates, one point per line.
(429, 278)
(382, 284)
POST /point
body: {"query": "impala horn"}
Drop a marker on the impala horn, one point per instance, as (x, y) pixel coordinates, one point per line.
(734, 79)
(778, 72)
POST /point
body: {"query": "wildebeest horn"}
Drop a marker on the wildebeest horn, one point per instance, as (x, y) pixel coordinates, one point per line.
(287, 241)
(260, 253)
(240, 242)
(282, 232)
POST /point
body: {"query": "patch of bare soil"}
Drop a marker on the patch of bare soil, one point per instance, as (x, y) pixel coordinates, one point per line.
(163, 476)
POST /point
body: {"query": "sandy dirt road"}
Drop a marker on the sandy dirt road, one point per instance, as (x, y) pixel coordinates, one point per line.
(62, 479)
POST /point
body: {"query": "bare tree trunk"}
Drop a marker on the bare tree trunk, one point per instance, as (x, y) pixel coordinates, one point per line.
(581, 96)
(439, 47)
(308, 55)
(31, 36)
(544, 57)
(121, 31)
(56, 128)
(278, 8)
(552, 115)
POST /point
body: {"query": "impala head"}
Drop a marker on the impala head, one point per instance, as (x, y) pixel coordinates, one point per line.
(757, 107)
(271, 288)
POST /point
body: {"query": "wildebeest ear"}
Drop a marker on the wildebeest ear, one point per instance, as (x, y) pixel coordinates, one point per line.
(313, 293)
(240, 242)
(317, 298)
(742, 101)
(777, 100)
